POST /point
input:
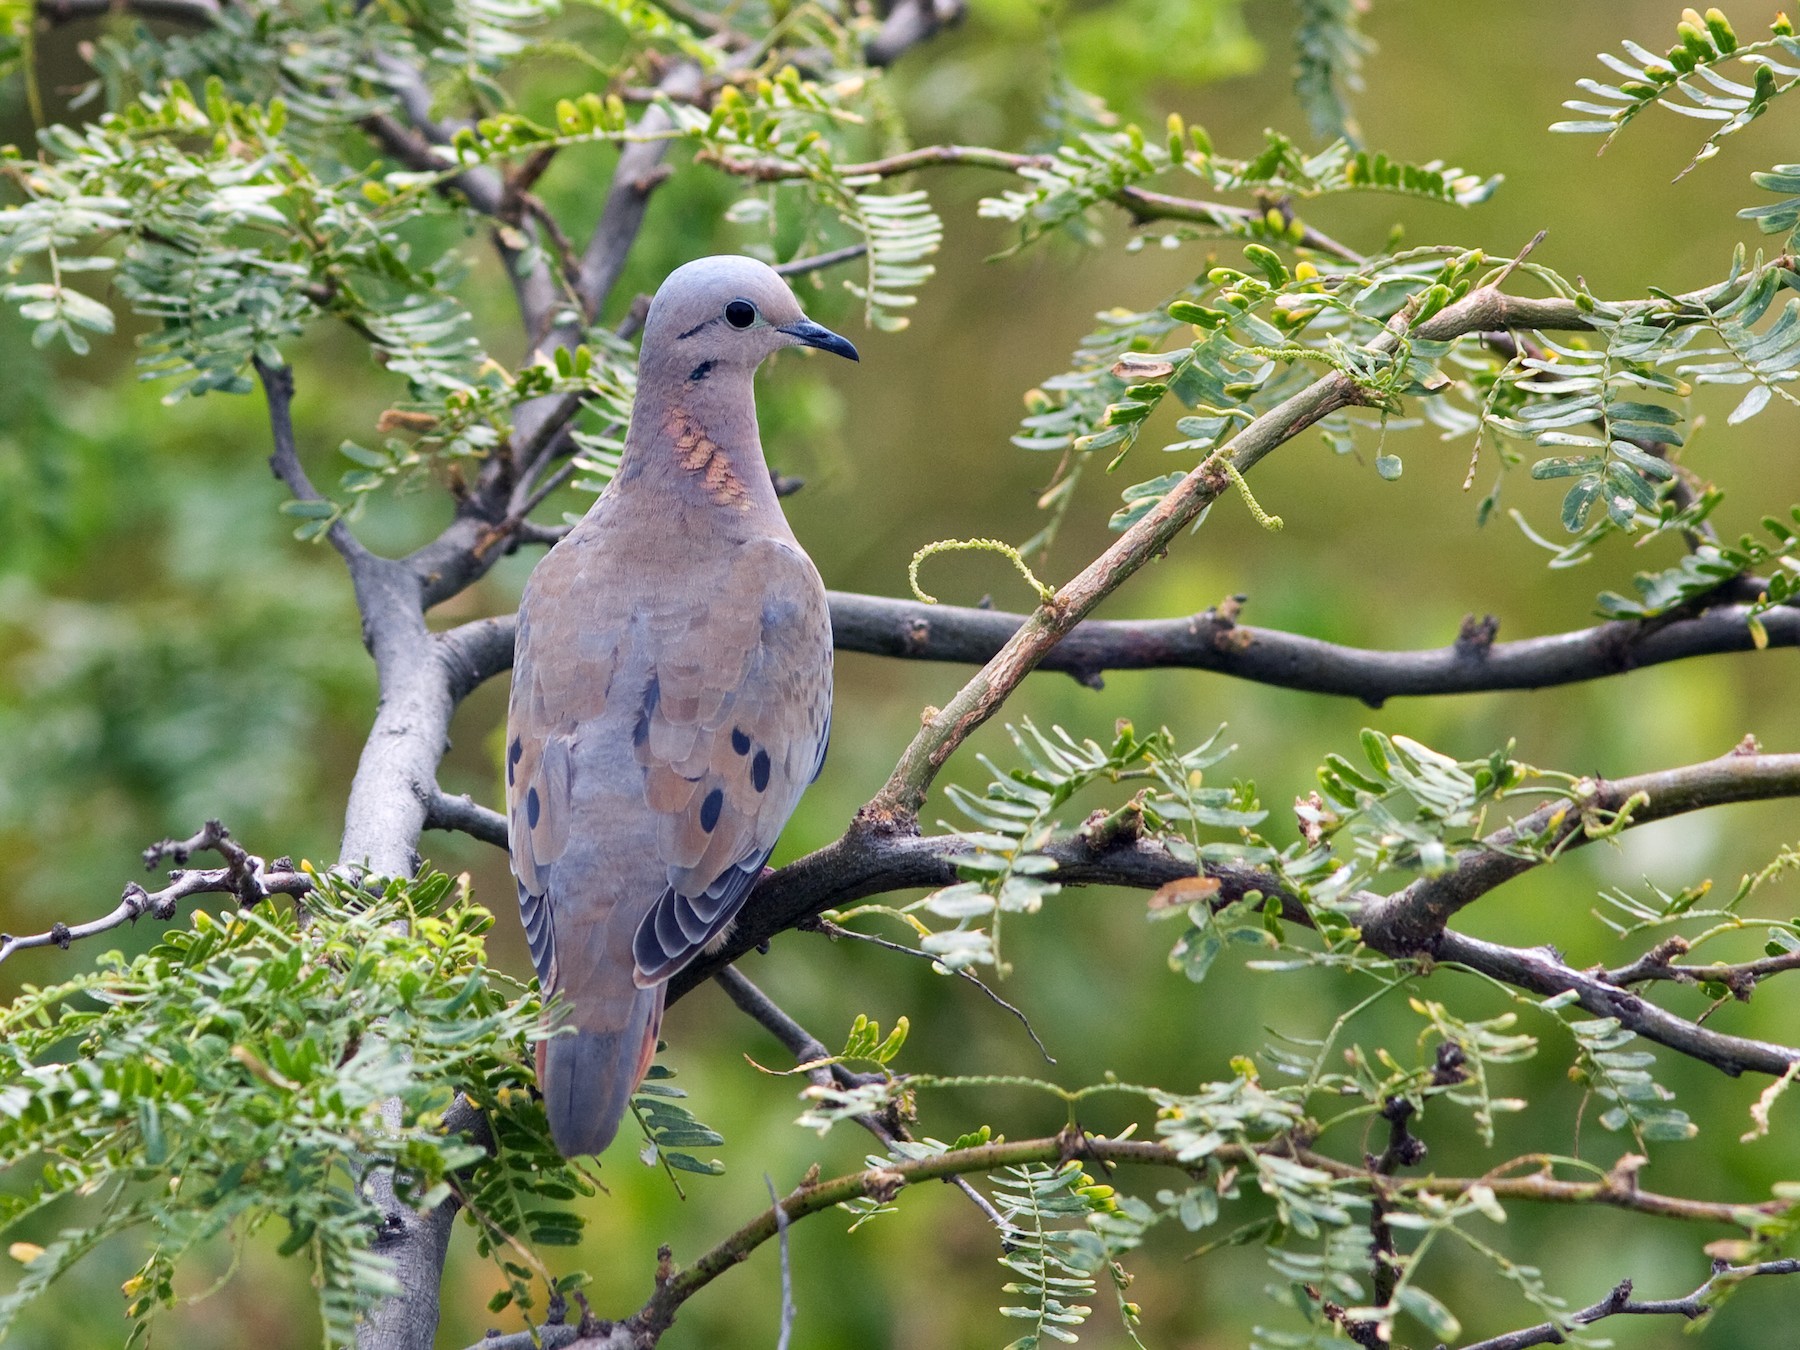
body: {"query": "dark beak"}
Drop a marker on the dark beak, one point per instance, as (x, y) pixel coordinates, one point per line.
(817, 335)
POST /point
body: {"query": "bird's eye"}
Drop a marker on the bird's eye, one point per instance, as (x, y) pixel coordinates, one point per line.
(740, 314)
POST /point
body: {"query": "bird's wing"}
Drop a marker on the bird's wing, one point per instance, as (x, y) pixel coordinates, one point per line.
(659, 740)
(564, 660)
(735, 731)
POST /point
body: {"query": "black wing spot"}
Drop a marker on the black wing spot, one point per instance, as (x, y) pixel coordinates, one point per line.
(652, 696)
(701, 371)
(710, 808)
(513, 755)
(739, 741)
(532, 808)
(759, 771)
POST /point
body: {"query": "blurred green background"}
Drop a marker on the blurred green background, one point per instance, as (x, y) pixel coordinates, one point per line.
(167, 653)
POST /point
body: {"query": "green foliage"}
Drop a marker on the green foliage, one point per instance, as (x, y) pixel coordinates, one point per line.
(253, 1067)
(1621, 1077)
(1689, 80)
(1056, 1264)
(1405, 808)
(1004, 869)
(1700, 573)
(1780, 217)
(1329, 49)
(1103, 166)
(670, 1129)
(226, 240)
(1256, 332)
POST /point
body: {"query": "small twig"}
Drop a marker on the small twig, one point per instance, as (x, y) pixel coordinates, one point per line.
(1142, 204)
(284, 459)
(796, 267)
(466, 816)
(1741, 979)
(245, 875)
(1620, 1303)
(808, 1049)
(567, 259)
(536, 450)
(509, 526)
(787, 1270)
(832, 930)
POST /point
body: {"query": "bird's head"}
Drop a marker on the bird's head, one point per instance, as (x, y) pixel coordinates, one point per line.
(728, 312)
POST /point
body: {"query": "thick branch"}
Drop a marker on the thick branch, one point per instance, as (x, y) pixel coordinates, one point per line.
(866, 862)
(1214, 641)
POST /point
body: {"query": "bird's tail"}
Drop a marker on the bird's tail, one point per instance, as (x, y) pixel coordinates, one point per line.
(588, 1077)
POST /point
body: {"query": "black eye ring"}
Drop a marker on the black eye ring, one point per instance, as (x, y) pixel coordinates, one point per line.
(740, 314)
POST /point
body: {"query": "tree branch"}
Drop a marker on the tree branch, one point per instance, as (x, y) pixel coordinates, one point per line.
(284, 460)
(466, 816)
(1620, 1303)
(640, 169)
(244, 875)
(1411, 919)
(818, 262)
(867, 861)
(1215, 641)
(676, 1286)
(1543, 971)
(1142, 204)
(907, 24)
(1740, 978)
(203, 13)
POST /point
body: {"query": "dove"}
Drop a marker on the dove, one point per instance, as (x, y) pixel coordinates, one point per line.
(671, 694)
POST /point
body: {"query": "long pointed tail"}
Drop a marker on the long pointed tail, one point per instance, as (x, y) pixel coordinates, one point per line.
(588, 1077)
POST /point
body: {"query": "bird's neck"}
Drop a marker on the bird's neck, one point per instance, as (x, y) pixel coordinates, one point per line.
(696, 438)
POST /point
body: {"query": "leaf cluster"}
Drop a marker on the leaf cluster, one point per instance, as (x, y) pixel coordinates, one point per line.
(257, 1067)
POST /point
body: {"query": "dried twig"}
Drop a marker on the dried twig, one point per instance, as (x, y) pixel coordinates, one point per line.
(244, 875)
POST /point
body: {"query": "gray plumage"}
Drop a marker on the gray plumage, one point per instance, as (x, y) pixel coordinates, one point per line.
(671, 694)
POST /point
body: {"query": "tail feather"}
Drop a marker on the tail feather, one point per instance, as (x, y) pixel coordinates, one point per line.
(588, 1077)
